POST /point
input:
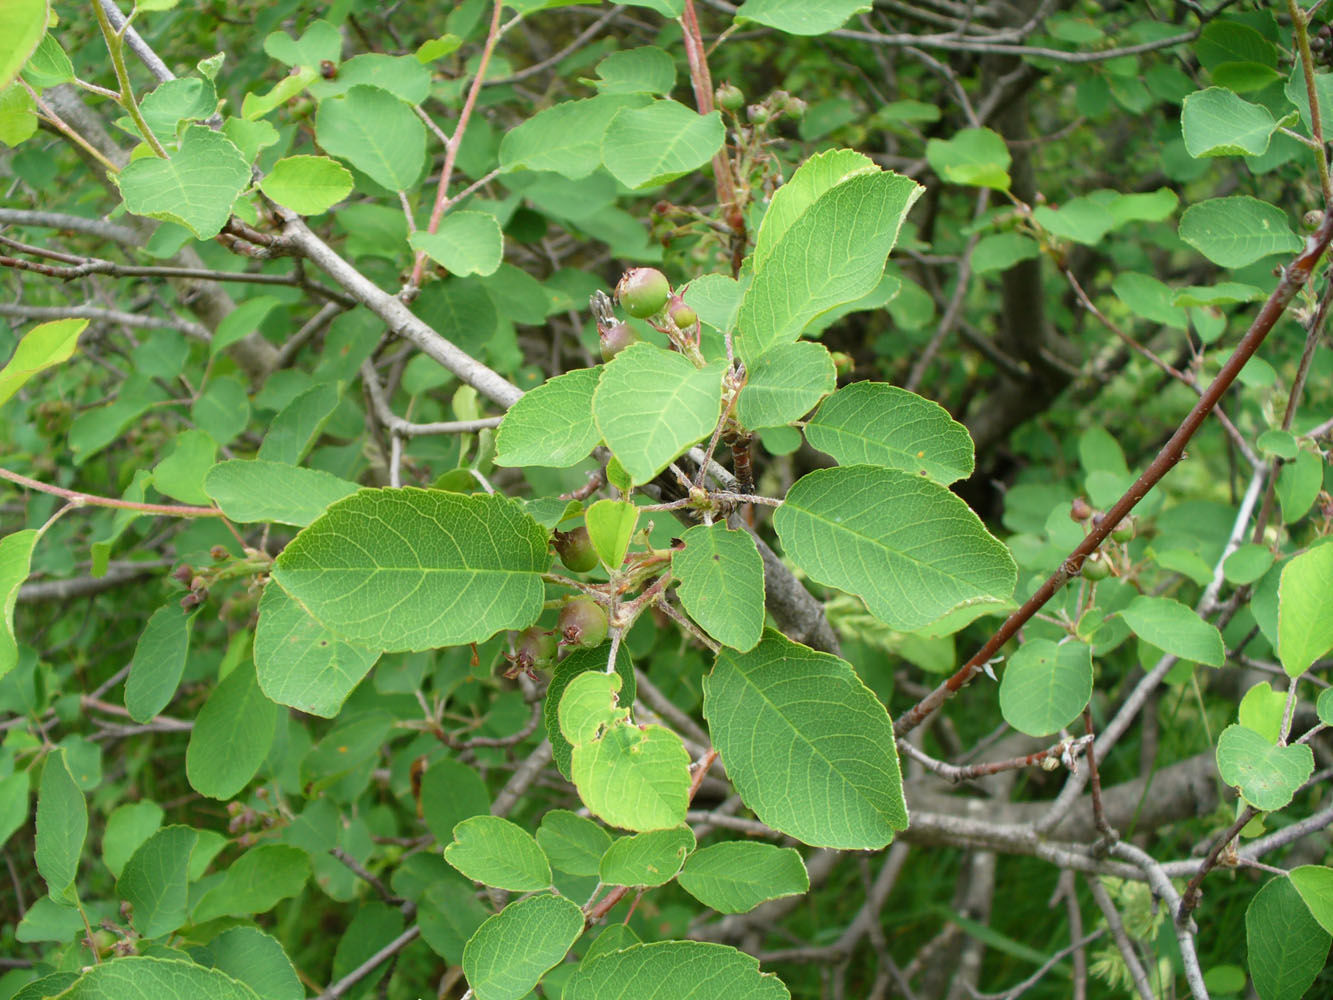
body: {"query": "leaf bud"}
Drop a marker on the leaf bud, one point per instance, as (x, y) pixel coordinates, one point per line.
(582, 622)
(643, 291)
(616, 338)
(575, 550)
(729, 97)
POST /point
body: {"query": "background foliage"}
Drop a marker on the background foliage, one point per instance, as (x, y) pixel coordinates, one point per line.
(306, 331)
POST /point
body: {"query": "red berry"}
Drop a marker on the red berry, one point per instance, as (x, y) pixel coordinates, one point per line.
(616, 338)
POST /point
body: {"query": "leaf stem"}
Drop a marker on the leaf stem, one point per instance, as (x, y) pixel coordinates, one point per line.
(115, 44)
(78, 499)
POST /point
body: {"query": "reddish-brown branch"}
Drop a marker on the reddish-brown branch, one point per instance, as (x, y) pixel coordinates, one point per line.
(88, 499)
(1293, 279)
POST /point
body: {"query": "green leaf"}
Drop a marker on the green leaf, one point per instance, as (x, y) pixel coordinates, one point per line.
(735, 877)
(251, 956)
(194, 187)
(645, 70)
(222, 410)
(159, 978)
(1262, 709)
(1266, 776)
(716, 298)
(574, 843)
(375, 132)
(128, 826)
(375, 925)
(1324, 706)
(873, 423)
(13, 804)
(1247, 564)
(450, 793)
(1285, 945)
(1046, 685)
(62, 826)
(273, 491)
(1298, 484)
(308, 185)
(255, 106)
(1297, 92)
(231, 735)
(551, 425)
(671, 970)
(256, 882)
(802, 279)
(1215, 122)
(839, 785)
(181, 474)
(905, 545)
(644, 147)
(297, 426)
(1176, 629)
(15, 562)
(1315, 885)
(1237, 231)
(188, 99)
(577, 662)
(809, 17)
(42, 347)
(785, 383)
(646, 859)
(343, 749)
(318, 43)
(589, 706)
(1305, 609)
(159, 662)
(448, 915)
(18, 116)
(154, 881)
(976, 157)
(566, 138)
(496, 852)
(651, 405)
(465, 243)
(403, 76)
(22, 25)
(1079, 220)
(1149, 298)
(512, 950)
(722, 583)
(815, 177)
(610, 527)
(1001, 251)
(299, 662)
(634, 778)
(414, 569)
(241, 322)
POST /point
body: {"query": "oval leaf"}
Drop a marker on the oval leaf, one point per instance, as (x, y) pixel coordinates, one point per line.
(231, 736)
(722, 583)
(1045, 686)
(1305, 609)
(1237, 231)
(308, 185)
(1266, 776)
(551, 425)
(512, 950)
(496, 852)
(735, 877)
(1171, 626)
(905, 545)
(413, 569)
(646, 859)
(670, 970)
(839, 785)
(1286, 947)
(194, 187)
(273, 491)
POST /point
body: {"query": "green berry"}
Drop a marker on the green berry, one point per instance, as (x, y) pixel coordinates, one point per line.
(1096, 568)
(575, 550)
(535, 647)
(682, 315)
(1124, 531)
(582, 623)
(643, 291)
(729, 97)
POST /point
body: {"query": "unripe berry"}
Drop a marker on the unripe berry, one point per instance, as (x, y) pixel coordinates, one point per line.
(582, 622)
(616, 338)
(1079, 510)
(534, 647)
(729, 97)
(1096, 568)
(1124, 531)
(1312, 220)
(682, 315)
(575, 550)
(643, 291)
